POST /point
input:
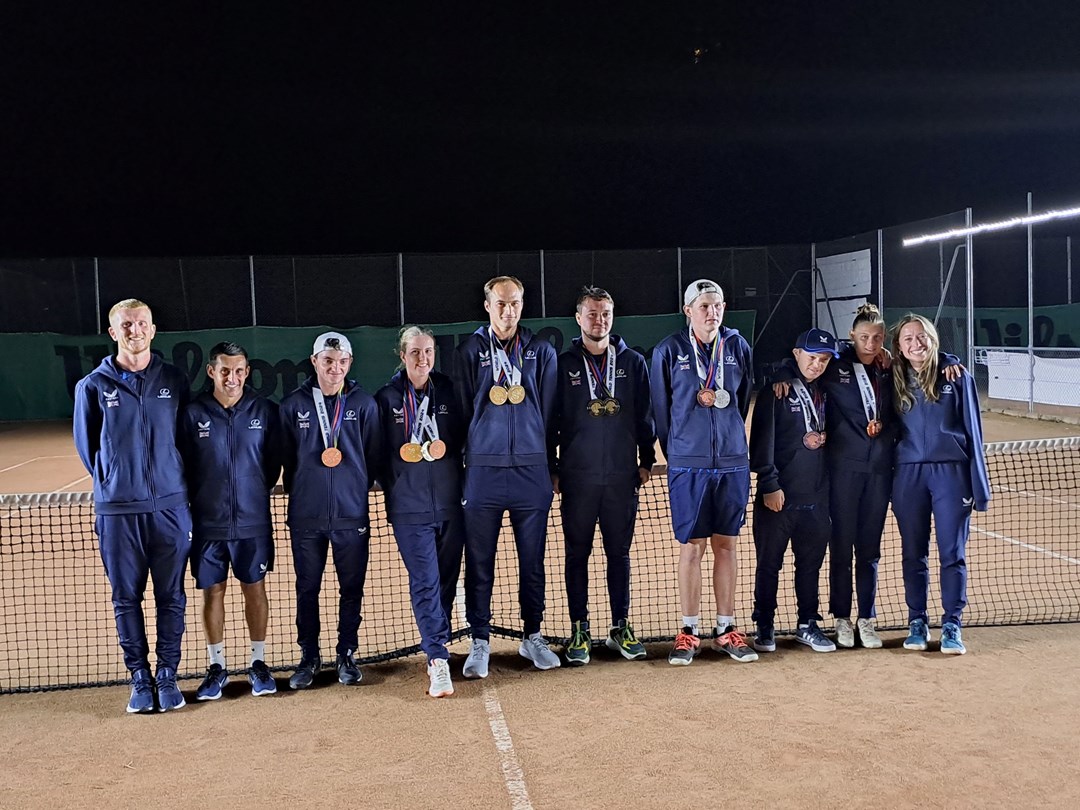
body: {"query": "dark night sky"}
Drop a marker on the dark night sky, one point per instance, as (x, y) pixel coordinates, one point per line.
(230, 132)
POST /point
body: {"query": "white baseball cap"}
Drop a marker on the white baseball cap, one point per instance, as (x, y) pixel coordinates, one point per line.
(333, 341)
(700, 287)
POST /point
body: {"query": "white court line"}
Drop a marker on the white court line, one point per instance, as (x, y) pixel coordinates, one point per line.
(1046, 498)
(73, 483)
(32, 460)
(513, 776)
(1028, 546)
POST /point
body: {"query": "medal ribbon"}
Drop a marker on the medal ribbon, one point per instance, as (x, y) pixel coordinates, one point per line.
(419, 419)
(810, 405)
(708, 373)
(330, 432)
(868, 390)
(600, 375)
(505, 371)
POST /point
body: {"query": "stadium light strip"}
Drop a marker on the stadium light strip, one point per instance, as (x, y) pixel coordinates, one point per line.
(1001, 225)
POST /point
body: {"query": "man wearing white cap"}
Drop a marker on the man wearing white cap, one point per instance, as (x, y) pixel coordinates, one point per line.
(330, 431)
(701, 381)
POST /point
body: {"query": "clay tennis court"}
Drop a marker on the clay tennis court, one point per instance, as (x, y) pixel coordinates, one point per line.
(855, 728)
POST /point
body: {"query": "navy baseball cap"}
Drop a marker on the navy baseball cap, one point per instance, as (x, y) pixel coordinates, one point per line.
(817, 340)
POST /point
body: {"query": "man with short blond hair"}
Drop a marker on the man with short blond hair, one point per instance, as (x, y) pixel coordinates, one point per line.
(126, 414)
(505, 381)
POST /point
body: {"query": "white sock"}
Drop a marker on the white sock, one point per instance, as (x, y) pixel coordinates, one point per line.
(692, 622)
(258, 651)
(217, 654)
(724, 622)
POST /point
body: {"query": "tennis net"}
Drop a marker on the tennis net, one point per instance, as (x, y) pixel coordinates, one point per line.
(58, 630)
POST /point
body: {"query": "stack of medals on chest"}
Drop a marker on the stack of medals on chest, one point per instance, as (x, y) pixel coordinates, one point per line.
(601, 379)
(422, 442)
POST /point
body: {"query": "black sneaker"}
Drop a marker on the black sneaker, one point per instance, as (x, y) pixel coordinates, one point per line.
(348, 672)
(305, 672)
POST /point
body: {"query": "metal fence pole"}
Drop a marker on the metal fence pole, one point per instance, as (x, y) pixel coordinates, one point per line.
(251, 277)
(1068, 268)
(678, 277)
(968, 243)
(881, 271)
(813, 284)
(401, 287)
(97, 295)
(1031, 314)
(543, 288)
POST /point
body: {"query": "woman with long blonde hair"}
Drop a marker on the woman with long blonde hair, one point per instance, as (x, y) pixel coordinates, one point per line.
(940, 471)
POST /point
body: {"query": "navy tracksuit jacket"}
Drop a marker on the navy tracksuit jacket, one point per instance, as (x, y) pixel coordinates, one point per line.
(506, 468)
(598, 464)
(125, 427)
(423, 501)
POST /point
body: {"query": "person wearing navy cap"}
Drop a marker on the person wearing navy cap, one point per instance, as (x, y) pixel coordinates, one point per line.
(787, 440)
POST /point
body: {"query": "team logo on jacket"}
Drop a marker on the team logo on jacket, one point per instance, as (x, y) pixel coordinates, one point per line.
(620, 373)
(729, 359)
(443, 410)
(485, 359)
(164, 393)
(399, 415)
(255, 424)
(968, 502)
(845, 375)
(796, 406)
(112, 398)
(303, 419)
(684, 361)
(204, 429)
(575, 377)
(946, 389)
(530, 354)
(350, 415)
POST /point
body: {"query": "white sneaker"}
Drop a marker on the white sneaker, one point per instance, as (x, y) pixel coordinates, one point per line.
(476, 665)
(536, 649)
(439, 673)
(868, 634)
(845, 633)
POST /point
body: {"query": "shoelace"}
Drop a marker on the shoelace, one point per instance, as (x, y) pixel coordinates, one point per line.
(627, 637)
(685, 641)
(578, 639)
(733, 638)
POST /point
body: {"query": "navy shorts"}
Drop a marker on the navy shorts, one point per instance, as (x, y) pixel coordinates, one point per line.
(707, 502)
(251, 558)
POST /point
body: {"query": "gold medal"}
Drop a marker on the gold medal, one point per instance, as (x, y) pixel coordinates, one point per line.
(411, 452)
(498, 395)
(516, 394)
(595, 407)
(436, 449)
(873, 428)
(611, 407)
(706, 397)
(331, 457)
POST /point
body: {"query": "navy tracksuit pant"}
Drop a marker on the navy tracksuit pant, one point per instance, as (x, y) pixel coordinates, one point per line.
(808, 529)
(944, 491)
(859, 503)
(350, 561)
(615, 507)
(432, 555)
(133, 547)
(489, 492)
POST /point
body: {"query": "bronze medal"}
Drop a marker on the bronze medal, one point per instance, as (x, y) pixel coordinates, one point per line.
(611, 407)
(873, 428)
(498, 395)
(436, 449)
(813, 440)
(331, 457)
(706, 397)
(411, 452)
(596, 407)
(516, 394)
